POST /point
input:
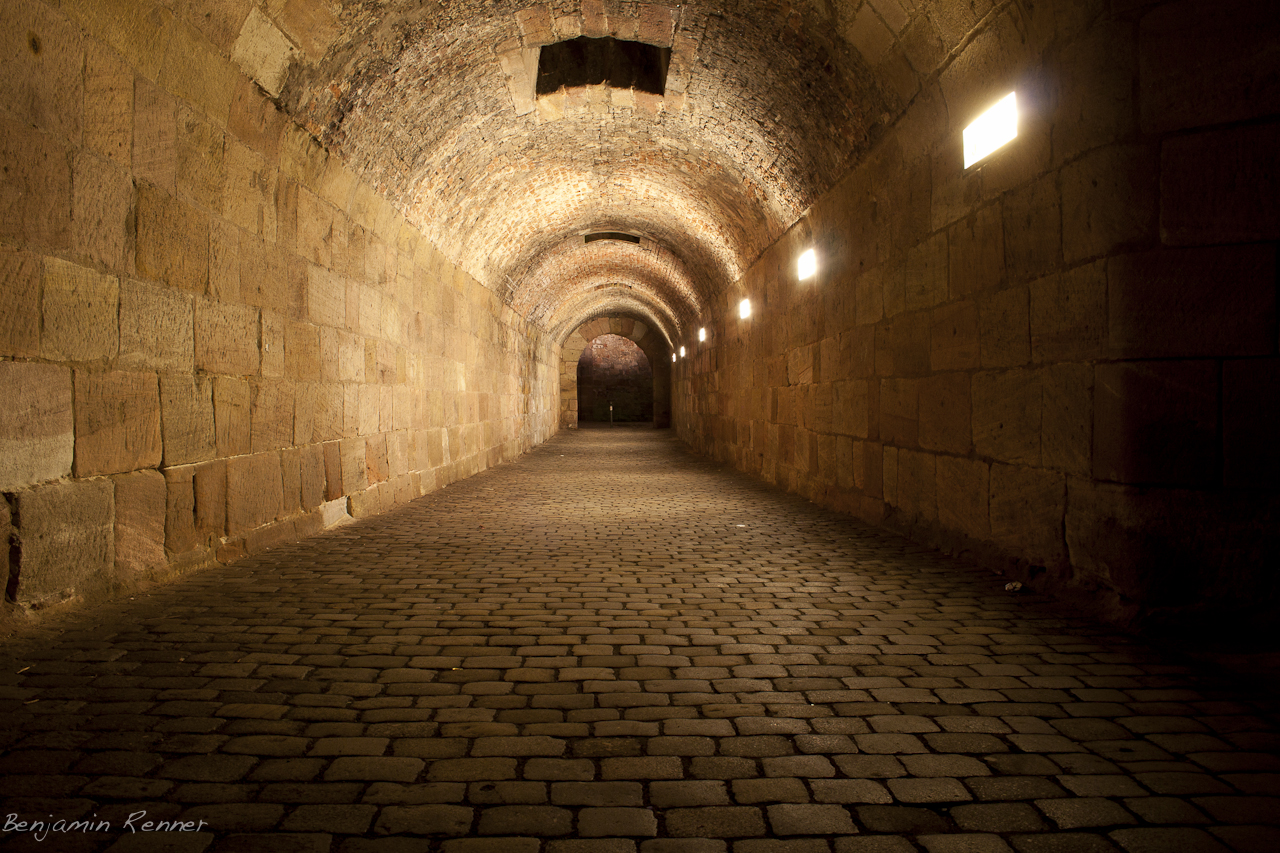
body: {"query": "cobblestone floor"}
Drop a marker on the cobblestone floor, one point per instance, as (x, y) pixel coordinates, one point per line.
(611, 645)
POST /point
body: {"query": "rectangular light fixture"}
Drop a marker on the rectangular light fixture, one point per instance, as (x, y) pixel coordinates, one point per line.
(807, 265)
(682, 352)
(991, 130)
(744, 308)
(702, 333)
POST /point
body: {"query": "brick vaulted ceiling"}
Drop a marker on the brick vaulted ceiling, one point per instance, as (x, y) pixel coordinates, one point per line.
(766, 105)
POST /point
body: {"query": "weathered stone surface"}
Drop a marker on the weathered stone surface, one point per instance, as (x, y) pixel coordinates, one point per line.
(354, 466)
(900, 411)
(333, 470)
(1108, 199)
(173, 241)
(20, 292)
(1220, 187)
(140, 511)
(44, 86)
(1069, 315)
(963, 489)
(155, 138)
(945, 413)
(926, 273)
(1032, 230)
(200, 167)
(35, 179)
(1004, 328)
(80, 311)
(272, 415)
(302, 352)
(156, 328)
(102, 207)
(1027, 507)
(1007, 416)
(1218, 300)
(1156, 422)
(1067, 420)
(108, 104)
(255, 491)
(312, 468)
(291, 481)
(37, 438)
(953, 343)
(117, 422)
(917, 485)
(976, 252)
(66, 539)
(232, 416)
(186, 409)
(226, 338)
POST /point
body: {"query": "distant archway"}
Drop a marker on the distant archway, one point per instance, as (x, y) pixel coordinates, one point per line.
(652, 344)
(615, 382)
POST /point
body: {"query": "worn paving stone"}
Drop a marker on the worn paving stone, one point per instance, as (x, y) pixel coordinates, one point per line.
(611, 644)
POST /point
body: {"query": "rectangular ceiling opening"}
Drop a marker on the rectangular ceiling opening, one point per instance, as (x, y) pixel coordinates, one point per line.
(590, 61)
(610, 235)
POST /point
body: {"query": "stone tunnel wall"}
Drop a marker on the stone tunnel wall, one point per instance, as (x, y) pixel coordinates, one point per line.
(214, 336)
(1062, 361)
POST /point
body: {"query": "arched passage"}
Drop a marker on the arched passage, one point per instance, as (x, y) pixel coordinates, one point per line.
(651, 343)
(615, 382)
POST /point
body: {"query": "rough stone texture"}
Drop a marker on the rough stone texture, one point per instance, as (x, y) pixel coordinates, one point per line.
(187, 418)
(80, 307)
(140, 511)
(255, 491)
(65, 540)
(117, 422)
(156, 330)
(37, 438)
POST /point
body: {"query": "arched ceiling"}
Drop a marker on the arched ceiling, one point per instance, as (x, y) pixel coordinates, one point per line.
(766, 105)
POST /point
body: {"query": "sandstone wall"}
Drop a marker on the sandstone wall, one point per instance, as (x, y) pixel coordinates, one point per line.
(215, 336)
(1064, 360)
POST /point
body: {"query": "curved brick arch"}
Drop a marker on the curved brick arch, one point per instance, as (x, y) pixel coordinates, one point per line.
(650, 341)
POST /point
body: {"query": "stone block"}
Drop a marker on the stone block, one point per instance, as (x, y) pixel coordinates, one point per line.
(255, 120)
(953, 337)
(856, 408)
(326, 421)
(155, 136)
(945, 419)
(108, 104)
(20, 294)
(197, 72)
(1212, 301)
(1032, 230)
(80, 309)
(291, 480)
(1007, 416)
(925, 284)
(302, 352)
(900, 411)
(869, 296)
(271, 415)
(209, 484)
(1220, 187)
(35, 182)
(377, 464)
(1069, 315)
(311, 465)
(255, 492)
(326, 297)
(249, 195)
(354, 466)
(157, 330)
(232, 416)
(1096, 91)
(140, 503)
(1067, 420)
(263, 52)
(117, 422)
(224, 261)
(44, 55)
(917, 485)
(902, 346)
(37, 437)
(332, 470)
(180, 510)
(1203, 64)
(173, 240)
(226, 338)
(187, 422)
(201, 167)
(976, 255)
(65, 540)
(1004, 328)
(102, 206)
(272, 340)
(1109, 199)
(1250, 421)
(1156, 422)
(264, 274)
(963, 495)
(1027, 506)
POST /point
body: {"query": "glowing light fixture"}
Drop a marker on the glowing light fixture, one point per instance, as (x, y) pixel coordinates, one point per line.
(991, 130)
(682, 352)
(744, 308)
(673, 358)
(702, 334)
(807, 265)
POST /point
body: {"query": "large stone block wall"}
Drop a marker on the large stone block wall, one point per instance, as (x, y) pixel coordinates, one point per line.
(1062, 361)
(215, 336)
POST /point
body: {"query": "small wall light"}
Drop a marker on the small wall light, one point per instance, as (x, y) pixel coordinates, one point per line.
(702, 334)
(807, 265)
(744, 308)
(991, 130)
(673, 358)
(682, 352)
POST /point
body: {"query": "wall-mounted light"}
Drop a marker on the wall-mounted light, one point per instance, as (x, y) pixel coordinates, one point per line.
(682, 352)
(744, 308)
(807, 265)
(673, 358)
(702, 334)
(991, 130)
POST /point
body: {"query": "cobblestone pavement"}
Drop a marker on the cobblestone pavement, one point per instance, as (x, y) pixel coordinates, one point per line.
(612, 645)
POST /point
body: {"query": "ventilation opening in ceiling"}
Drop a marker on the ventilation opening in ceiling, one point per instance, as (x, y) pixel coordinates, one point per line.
(587, 61)
(610, 235)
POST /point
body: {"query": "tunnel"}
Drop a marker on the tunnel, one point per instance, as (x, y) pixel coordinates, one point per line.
(275, 272)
